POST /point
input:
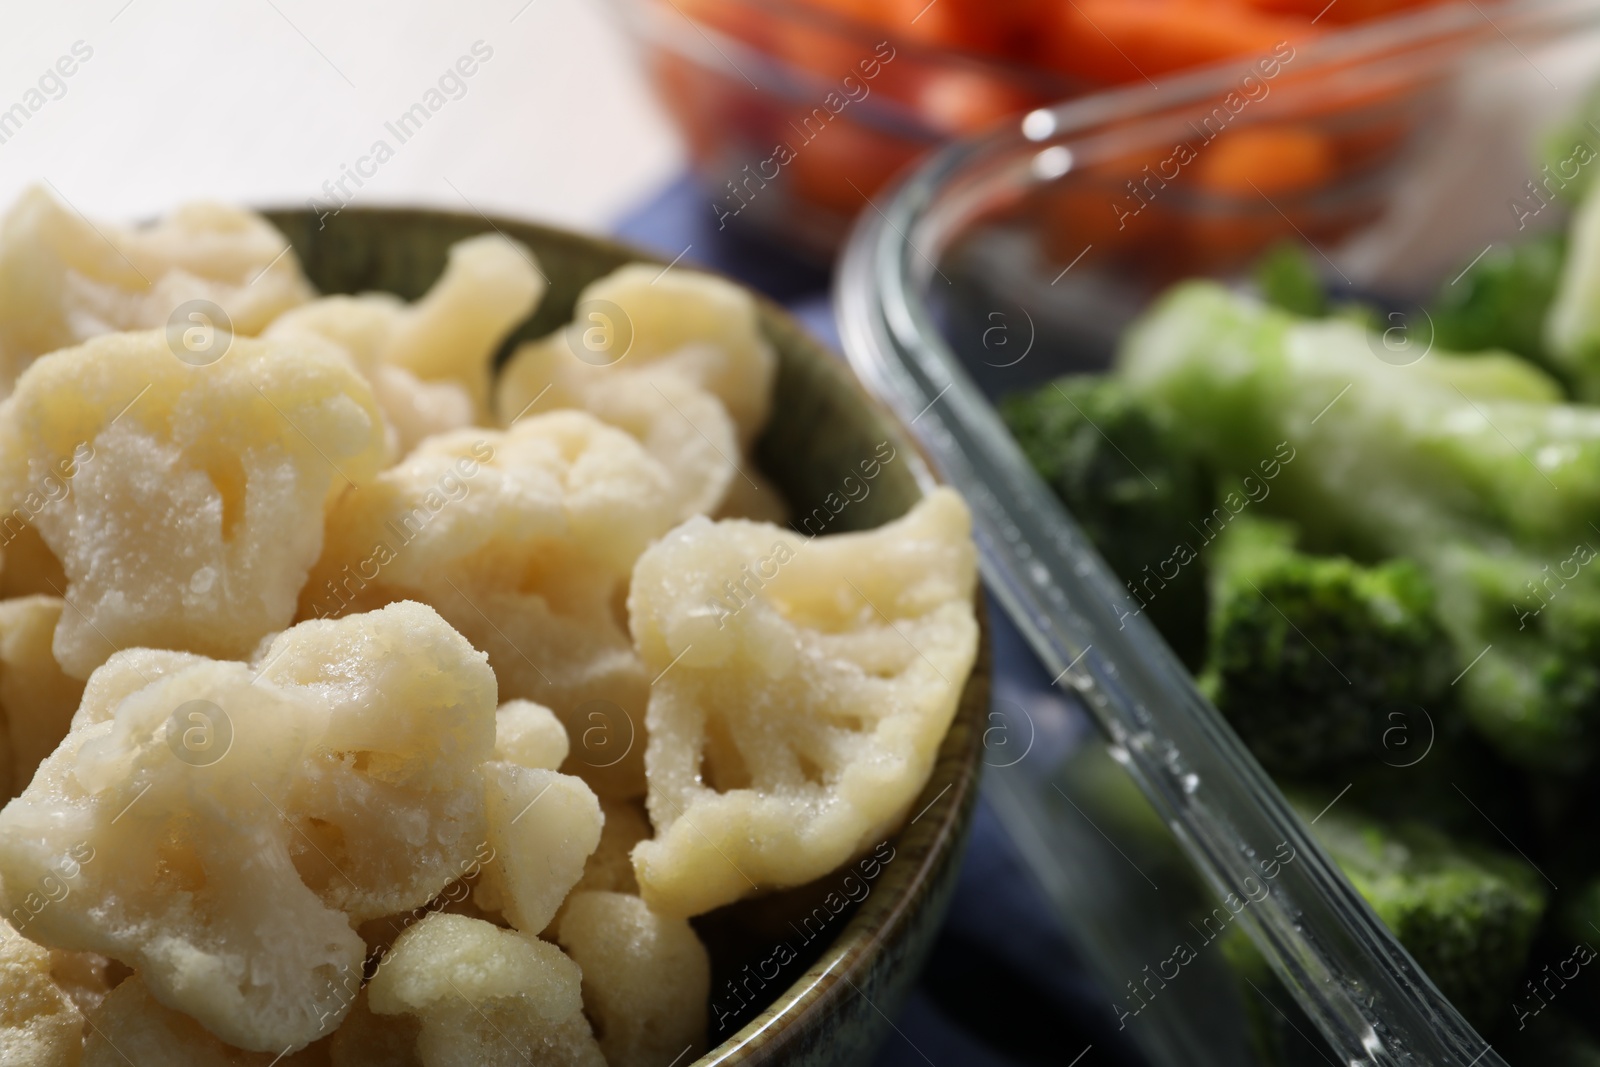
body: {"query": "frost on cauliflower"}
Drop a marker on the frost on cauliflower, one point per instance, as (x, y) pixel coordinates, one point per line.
(529, 735)
(681, 425)
(220, 826)
(387, 802)
(646, 978)
(485, 997)
(64, 280)
(640, 320)
(429, 362)
(543, 826)
(132, 1026)
(810, 685)
(185, 503)
(524, 540)
(40, 1026)
(37, 700)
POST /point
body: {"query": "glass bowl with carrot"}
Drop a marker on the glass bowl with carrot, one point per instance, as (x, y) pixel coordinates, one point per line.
(797, 112)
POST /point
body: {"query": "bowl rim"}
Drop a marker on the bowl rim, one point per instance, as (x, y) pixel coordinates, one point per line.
(950, 794)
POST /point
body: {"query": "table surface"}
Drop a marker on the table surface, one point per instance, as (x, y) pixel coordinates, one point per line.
(274, 102)
(263, 101)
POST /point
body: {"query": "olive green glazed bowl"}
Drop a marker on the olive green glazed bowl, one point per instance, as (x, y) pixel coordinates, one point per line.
(810, 976)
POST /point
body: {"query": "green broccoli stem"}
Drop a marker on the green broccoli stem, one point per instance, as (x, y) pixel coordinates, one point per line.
(1466, 914)
(1572, 326)
(1449, 461)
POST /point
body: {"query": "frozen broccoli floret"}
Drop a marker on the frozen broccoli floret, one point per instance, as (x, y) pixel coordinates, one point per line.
(1535, 692)
(1501, 301)
(1134, 490)
(1466, 914)
(1310, 654)
(1287, 279)
(1450, 461)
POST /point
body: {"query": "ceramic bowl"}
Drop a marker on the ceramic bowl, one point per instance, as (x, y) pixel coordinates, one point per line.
(851, 966)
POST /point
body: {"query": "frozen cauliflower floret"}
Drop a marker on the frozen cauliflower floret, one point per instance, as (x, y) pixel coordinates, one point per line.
(543, 827)
(415, 409)
(132, 1027)
(679, 424)
(124, 674)
(489, 285)
(209, 825)
(524, 540)
(64, 280)
(37, 700)
(610, 868)
(387, 803)
(429, 362)
(646, 978)
(40, 1026)
(811, 684)
(485, 996)
(196, 493)
(641, 321)
(529, 735)
(455, 899)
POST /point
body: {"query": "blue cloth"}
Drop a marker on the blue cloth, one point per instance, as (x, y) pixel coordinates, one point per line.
(1003, 987)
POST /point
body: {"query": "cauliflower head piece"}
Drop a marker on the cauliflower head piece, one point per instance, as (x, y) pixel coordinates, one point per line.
(529, 735)
(810, 685)
(543, 826)
(40, 1026)
(640, 320)
(220, 826)
(64, 279)
(485, 996)
(132, 1026)
(429, 362)
(524, 540)
(679, 424)
(185, 503)
(646, 977)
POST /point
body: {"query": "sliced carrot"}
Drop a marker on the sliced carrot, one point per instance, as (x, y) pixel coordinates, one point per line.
(993, 27)
(1338, 11)
(1251, 161)
(953, 100)
(837, 164)
(1115, 41)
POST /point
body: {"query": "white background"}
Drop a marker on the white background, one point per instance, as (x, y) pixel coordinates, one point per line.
(261, 101)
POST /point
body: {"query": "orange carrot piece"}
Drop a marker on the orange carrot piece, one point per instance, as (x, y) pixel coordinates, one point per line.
(1271, 160)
